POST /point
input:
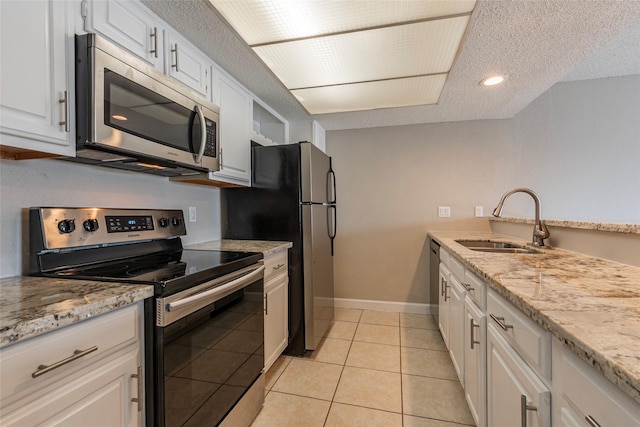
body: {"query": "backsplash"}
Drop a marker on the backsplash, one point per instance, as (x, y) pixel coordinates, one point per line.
(27, 183)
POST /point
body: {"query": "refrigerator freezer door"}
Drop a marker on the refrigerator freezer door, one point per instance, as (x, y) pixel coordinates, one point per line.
(318, 274)
(316, 170)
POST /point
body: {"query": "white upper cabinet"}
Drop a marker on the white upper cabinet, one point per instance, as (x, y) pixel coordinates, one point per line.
(187, 65)
(36, 64)
(130, 26)
(235, 138)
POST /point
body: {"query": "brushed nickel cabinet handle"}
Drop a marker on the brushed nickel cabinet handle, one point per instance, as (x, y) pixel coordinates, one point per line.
(523, 410)
(65, 102)
(140, 399)
(176, 65)
(500, 322)
(43, 369)
(592, 422)
(471, 326)
(468, 287)
(154, 36)
(277, 267)
(266, 304)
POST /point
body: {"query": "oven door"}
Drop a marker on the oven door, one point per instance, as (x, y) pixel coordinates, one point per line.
(209, 344)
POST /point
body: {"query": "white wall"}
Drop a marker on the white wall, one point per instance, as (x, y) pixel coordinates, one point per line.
(29, 183)
(577, 146)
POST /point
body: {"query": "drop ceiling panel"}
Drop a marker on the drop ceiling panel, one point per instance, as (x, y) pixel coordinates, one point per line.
(372, 95)
(405, 50)
(265, 21)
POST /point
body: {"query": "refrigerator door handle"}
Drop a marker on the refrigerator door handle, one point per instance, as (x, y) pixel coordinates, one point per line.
(331, 184)
(332, 223)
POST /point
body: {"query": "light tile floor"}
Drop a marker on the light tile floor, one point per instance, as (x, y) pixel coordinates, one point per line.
(372, 369)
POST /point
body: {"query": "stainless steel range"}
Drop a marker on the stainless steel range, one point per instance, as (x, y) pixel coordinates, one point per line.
(205, 325)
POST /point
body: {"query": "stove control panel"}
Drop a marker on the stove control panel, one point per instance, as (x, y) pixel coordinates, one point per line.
(76, 227)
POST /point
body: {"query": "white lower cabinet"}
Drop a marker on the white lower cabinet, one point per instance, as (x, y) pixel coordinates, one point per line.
(475, 352)
(514, 373)
(89, 373)
(443, 303)
(456, 326)
(515, 395)
(588, 399)
(276, 301)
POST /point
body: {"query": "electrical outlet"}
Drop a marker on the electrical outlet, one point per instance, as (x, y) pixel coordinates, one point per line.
(479, 211)
(192, 214)
(444, 212)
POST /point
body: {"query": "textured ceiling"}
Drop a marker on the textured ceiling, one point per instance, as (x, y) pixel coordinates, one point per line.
(537, 43)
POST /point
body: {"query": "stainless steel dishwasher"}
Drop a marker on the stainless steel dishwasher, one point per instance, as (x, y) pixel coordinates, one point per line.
(434, 265)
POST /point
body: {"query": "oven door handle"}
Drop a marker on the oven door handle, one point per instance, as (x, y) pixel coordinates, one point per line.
(224, 289)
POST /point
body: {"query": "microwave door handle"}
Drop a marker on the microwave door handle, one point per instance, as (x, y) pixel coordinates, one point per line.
(203, 131)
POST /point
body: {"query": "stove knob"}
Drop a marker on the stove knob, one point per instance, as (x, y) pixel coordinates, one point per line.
(163, 222)
(90, 224)
(175, 221)
(67, 225)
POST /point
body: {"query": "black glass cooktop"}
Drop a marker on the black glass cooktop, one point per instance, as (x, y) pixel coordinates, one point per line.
(164, 267)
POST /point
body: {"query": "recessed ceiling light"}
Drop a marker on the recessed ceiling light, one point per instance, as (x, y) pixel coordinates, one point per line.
(118, 117)
(493, 80)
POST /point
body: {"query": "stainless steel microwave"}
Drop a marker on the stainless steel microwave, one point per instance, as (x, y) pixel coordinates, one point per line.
(131, 116)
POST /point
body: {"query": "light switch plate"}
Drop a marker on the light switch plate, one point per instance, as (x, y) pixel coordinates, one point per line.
(192, 214)
(479, 211)
(444, 211)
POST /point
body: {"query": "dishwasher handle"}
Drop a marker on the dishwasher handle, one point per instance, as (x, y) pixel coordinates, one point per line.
(224, 289)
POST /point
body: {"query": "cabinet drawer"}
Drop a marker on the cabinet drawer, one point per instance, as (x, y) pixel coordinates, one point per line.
(19, 361)
(476, 289)
(531, 341)
(590, 396)
(457, 268)
(276, 265)
(444, 256)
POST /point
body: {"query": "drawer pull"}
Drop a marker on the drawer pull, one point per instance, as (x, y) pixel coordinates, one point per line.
(139, 400)
(591, 421)
(43, 369)
(277, 267)
(523, 410)
(500, 322)
(471, 326)
(468, 287)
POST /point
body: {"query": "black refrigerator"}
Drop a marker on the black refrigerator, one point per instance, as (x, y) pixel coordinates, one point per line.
(292, 198)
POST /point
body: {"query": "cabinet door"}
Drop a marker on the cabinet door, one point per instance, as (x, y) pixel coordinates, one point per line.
(276, 320)
(456, 326)
(187, 65)
(513, 389)
(475, 372)
(98, 395)
(129, 25)
(235, 133)
(443, 304)
(35, 105)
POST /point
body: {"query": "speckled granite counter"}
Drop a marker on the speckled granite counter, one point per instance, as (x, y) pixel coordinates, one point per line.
(584, 225)
(590, 304)
(264, 246)
(30, 306)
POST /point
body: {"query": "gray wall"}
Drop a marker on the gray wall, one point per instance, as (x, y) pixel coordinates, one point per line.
(577, 146)
(28, 183)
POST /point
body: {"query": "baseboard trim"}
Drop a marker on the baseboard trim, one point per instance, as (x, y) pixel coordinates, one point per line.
(396, 307)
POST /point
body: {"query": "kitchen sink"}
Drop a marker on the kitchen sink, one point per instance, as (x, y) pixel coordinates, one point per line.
(496, 247)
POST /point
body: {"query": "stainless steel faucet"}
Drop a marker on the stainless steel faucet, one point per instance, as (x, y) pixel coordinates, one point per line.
(540, 230)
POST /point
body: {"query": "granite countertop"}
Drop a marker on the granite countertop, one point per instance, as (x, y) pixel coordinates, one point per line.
(592, 305)
(30, 306)
(265, 246)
